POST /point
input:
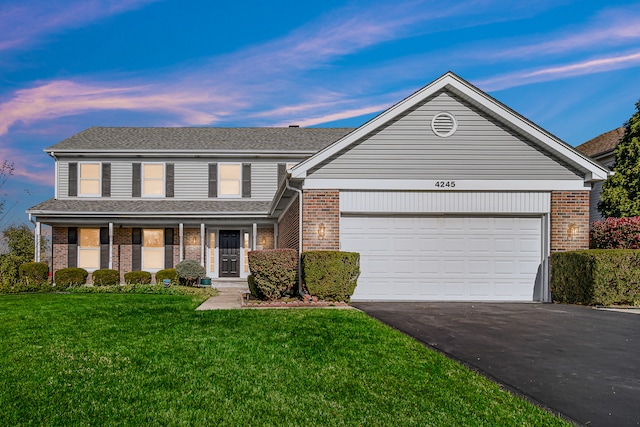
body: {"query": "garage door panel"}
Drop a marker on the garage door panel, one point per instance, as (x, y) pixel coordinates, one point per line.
(446, 258)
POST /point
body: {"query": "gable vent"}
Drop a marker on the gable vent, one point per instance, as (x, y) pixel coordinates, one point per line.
(444, 124)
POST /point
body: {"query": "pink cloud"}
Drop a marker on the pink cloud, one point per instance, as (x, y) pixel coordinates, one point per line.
(23, 24)
(63, 98)
(591, 66)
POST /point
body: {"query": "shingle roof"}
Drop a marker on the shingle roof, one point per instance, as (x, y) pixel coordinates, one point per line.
(201, 138)
(602, 143)
(155, 207)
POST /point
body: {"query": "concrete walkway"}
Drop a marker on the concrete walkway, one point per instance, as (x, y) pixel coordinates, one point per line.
(228, 298)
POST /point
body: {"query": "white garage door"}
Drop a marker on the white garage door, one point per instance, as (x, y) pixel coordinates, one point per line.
(444, 258)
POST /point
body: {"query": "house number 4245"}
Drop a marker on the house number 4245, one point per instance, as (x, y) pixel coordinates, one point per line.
(445, 184)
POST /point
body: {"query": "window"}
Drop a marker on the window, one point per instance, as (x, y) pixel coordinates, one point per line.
(152, 249)
(212, 252)
(230, 181)
(246, 252)
(89, 179)
(153, 179)
(89, 248)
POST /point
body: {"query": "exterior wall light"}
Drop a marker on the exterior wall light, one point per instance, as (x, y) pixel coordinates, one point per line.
(263, 240)
(321, 231)
(572, 230)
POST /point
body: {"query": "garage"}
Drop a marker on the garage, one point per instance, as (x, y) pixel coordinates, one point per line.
(445, 258)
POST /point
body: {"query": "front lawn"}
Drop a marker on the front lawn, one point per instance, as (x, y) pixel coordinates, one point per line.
(112, 359)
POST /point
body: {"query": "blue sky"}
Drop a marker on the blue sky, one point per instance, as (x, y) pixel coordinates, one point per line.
(572, 67)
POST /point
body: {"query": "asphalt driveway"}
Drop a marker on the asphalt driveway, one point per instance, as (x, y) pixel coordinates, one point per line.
(581, 362)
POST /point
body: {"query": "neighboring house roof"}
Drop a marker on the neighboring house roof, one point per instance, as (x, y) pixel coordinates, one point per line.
(602, 144)
(449, 81)
(132, 139)
(160, 207)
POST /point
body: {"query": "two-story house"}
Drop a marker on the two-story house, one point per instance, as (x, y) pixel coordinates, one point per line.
(447, 195)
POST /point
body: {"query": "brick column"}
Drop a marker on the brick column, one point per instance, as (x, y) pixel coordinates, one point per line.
(569, 220)
(265, 238)
(59, 251)
(320, 208)
(122, 251)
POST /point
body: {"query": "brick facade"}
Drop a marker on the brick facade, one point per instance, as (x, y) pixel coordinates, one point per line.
(321, 208)
(59, 250)
(192, 244)
(288, 227)
(569, 212)
(265, 238)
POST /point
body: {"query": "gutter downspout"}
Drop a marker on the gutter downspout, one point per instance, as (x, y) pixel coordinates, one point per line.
(36, 238)
(300, 291)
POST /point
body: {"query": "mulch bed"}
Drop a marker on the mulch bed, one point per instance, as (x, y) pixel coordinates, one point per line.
(249, 302)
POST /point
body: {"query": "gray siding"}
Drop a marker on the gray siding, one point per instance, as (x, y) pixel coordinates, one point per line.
(191, 180)
(407, 148)
(264, 180)
(121, 177)
(594, 195)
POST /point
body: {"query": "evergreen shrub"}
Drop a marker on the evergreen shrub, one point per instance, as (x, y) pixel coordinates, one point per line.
(331, 275)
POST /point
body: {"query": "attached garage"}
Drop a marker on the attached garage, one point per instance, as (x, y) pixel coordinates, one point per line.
(446, 258)
(447, 196)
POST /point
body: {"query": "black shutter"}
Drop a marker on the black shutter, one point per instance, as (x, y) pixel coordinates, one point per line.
(213, 180)
(104, 247)
(135, 181)
(73, 179)
(168, 248)
(136, 249)
(169, 173)
(246, 180)
(106, 180)
(282, 170)
(72, 247)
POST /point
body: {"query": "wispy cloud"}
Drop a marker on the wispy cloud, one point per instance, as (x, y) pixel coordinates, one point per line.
(63, 98)
(24, 24)
(551, 73)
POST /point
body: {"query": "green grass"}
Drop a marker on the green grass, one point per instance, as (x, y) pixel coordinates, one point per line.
(113, 359)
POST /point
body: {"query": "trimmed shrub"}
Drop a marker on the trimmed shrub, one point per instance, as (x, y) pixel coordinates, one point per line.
(606, 277)
(69, 277)
(137, 278)
(34, 272)
(253, 288)
(105, 277)
(190, 271)
(274, 272)
(331, 275)
(167, 273)
(616, 233)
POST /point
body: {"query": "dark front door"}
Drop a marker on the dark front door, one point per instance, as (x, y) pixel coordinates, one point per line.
(229, 253)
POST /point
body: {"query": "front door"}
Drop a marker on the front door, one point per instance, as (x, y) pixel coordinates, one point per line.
(229, 253)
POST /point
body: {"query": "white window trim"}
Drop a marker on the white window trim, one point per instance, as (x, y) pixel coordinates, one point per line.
(99, 193)
(151, 249)
(88, 248)
(164, 180)
(229, 196)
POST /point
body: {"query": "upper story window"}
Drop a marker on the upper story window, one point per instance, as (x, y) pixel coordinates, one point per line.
(89, 179)
(89, 248)
(153, 179)
(230, 180)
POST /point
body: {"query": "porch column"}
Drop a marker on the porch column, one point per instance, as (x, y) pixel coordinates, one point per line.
(202, 244)
(38, 233)
(255, 237)
(181, 238)
(275, 236)
(110, 246)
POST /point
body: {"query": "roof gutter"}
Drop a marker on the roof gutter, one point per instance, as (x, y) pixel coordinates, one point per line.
(300, 290)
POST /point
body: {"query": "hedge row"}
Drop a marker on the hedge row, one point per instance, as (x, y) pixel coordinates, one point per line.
(328, 275)
(604, 277)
